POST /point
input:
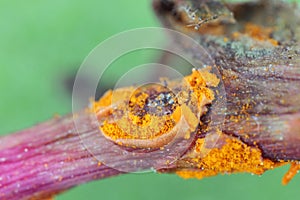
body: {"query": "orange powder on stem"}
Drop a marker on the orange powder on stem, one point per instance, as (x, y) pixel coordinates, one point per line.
(257, 32)
(144, 128)
(151, 116)
(233, 157)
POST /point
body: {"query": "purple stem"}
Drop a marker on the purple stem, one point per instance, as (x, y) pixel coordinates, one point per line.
(48, 159)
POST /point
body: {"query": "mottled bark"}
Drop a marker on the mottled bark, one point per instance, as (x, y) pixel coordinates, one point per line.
(262, 80)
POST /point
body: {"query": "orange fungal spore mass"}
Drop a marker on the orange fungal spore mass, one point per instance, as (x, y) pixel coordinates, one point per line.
(257, 32)
(151, 115)
(233, 157)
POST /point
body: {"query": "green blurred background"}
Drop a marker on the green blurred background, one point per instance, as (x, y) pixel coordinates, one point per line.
(42, 44)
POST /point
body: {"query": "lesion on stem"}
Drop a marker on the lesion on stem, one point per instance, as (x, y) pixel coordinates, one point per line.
(151, 116)
(255, 46)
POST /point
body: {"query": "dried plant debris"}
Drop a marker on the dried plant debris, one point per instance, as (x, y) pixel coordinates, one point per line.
(256, 49)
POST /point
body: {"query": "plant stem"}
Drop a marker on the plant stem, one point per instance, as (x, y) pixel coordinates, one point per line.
(48, 159)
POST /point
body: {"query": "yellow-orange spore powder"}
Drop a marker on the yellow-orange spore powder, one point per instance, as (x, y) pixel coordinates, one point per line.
(149, 112)
(233, 157)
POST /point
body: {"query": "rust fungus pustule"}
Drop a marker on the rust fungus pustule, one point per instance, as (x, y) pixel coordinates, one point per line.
(228, 155)
(151, 116)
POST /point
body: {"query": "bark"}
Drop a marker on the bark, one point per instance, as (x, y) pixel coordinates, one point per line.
(261, 80)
